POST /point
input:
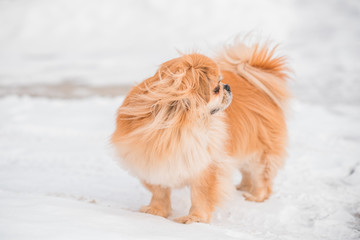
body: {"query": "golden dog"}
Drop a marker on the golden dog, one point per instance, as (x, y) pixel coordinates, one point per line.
(184, 126)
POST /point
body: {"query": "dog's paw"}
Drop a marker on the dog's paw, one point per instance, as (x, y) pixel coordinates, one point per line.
(190, 219)
(255, 198)
(243, 187)
(187, 219)
(155, 211)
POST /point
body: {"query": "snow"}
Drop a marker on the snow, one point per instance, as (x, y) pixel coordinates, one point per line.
(120, 42)
(58, 179)
(105, 42)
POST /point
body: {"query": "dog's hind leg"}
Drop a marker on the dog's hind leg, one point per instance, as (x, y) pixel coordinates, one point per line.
(246, 181)
(263, 172)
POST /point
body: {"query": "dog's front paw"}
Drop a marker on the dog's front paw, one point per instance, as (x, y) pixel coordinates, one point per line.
(243, 187)
(258, 196)
(155, 211)
(190, 219)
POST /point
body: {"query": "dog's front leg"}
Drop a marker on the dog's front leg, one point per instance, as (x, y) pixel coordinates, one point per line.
(204, 197)
(160, 201)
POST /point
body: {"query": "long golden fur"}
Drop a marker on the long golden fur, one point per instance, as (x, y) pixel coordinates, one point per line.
(181, 127)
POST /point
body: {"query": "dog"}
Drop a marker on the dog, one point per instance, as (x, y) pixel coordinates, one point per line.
(197, 119)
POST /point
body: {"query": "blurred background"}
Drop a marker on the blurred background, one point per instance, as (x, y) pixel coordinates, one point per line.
(77, 48)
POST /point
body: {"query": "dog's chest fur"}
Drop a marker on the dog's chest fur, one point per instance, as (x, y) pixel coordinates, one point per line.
(194, 151)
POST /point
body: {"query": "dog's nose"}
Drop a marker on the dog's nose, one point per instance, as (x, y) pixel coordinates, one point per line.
(227, 88)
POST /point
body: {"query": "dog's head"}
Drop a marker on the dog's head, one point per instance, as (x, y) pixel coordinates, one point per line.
(194, 82)
(183, 89)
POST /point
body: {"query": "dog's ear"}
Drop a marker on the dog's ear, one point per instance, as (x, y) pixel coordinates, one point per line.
(197, 75)
(204, 84)
(187, 76)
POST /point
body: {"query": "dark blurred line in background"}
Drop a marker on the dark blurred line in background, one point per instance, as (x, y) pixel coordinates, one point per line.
(64, 90)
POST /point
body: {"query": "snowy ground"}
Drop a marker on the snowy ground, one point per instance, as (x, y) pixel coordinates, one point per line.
(57, 177)
(58, 181)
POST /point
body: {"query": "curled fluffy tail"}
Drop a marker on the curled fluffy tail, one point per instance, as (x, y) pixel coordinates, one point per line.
(259, 65)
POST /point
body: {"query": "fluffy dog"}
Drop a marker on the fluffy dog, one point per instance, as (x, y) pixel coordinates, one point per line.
(185, 127)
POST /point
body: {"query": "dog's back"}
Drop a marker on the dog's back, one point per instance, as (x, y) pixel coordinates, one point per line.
(255, 118)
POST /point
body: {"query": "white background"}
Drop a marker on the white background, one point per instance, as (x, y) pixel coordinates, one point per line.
(122, 42)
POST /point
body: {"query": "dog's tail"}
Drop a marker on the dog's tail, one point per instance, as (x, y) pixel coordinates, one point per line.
(259, 65)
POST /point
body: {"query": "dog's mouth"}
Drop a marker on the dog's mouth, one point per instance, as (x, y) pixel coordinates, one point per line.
(224, 104)
(212, 112)
(227, 99)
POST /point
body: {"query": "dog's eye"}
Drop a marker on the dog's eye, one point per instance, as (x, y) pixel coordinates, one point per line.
(217, 89)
